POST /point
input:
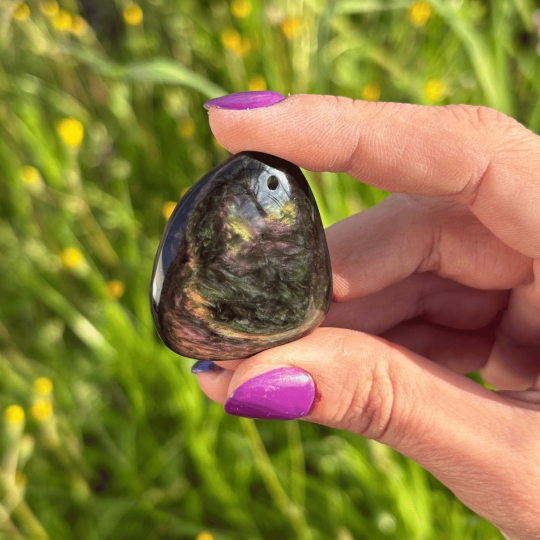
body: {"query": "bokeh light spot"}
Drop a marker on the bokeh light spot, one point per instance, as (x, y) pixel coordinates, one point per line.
(371, 92)
(62, 20)
(167, 209)
(71, 131)
(42, 410)
(43, 386)
(49, 8)
(115, 289)
(257, 83)
(133, 14)
(435, 90)
(419, 13)
(21, 12)
(241, 8)
(290, 27)
(70, 258)
(14, 414)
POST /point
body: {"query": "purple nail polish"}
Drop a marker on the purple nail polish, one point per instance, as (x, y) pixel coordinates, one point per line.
(282, 394)
(202, 366)
(245, 100)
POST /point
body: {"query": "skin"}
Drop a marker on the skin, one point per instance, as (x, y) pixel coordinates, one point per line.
(440, 279)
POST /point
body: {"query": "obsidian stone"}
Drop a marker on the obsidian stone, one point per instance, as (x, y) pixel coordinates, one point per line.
(243, 264)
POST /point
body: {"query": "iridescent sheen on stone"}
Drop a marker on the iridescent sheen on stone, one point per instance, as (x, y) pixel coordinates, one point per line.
(243, 264)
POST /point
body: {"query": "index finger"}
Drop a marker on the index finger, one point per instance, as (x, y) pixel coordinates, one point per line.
(475, 155)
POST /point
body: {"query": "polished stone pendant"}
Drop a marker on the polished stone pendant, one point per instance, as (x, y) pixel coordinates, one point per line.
(243, 264)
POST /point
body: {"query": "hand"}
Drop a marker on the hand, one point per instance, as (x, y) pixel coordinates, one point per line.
(445, 274)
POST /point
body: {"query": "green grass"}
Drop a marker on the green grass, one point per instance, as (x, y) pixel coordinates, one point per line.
(133, 449)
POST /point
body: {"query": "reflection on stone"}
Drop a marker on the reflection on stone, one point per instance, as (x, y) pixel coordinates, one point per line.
(243, 263)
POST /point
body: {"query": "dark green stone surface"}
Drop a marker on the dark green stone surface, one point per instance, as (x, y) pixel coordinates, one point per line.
(243, 264)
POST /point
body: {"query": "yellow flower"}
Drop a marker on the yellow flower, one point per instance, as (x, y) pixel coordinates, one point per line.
(290, 27)
(62, 20)
(133, 14)
(42, 409)
(71, 131)
(14, 414)
(21, 12)
(79, 26)
(205, 536)
(43, 386)
(115, 289)
(257, 83)
(241, 8)
(186, 128)
(49, 7)
(419, 13)
(435, 90)
(245, 47)
(167, 209)
(231, 39)
(71, 257)
(30, 175)
(371, 92)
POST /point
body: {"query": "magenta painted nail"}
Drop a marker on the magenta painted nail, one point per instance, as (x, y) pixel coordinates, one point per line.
(245, 100)
(281, 394)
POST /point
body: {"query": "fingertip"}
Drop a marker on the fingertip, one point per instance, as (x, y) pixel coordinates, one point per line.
(215, 384)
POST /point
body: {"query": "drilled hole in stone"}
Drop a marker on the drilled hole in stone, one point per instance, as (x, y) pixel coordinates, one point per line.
(272, 183)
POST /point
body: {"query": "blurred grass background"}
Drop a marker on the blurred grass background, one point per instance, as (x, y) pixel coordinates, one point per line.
(105, 433)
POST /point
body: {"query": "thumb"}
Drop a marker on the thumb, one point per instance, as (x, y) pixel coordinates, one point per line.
(452, 426)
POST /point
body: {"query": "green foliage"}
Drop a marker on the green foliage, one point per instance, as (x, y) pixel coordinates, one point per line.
(133, 449)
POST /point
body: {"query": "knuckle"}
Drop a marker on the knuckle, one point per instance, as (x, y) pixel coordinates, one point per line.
(497, 138)
(368, 410)
(481, 118)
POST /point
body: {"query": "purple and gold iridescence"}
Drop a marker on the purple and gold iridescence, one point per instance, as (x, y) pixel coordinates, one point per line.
(243, 264)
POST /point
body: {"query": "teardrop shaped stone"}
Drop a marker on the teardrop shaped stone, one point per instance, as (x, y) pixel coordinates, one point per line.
(243, 264)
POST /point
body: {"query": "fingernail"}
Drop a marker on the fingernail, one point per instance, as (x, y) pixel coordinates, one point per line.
(245, 100)
(202, 366)
(530, 395)
(282, 394)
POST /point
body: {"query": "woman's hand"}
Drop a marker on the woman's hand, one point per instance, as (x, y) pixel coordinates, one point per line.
(446, 273)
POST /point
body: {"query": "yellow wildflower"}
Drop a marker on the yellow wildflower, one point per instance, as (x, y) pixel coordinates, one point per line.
(14, 414)
(115, 289)
(42, 409)
(21, 12)
(167, 209)
(419, 13)
(186, 128)
(71, 131)
(231, 39)
(79, 26)
(133, 14)
(257, 83)
(435, 90)
(290, 27)
(43, 386)
(245, 47)
(30, 175)
(371, 92)
(205, 536)
(71, 257)
(62, 20)
(241, 8)
(49, 7)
